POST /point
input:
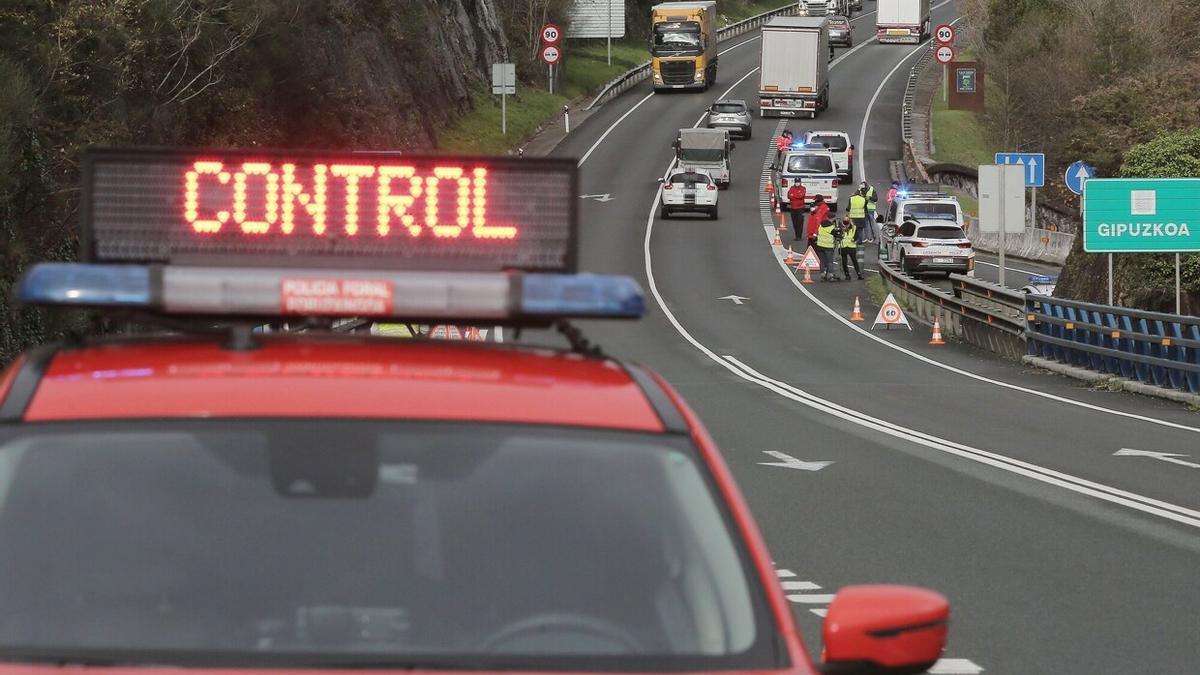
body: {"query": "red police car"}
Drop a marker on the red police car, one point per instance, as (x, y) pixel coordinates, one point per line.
(222, 498)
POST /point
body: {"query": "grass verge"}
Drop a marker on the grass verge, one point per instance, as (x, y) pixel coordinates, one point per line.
(959, 135)
(876, 289)
(478, 132)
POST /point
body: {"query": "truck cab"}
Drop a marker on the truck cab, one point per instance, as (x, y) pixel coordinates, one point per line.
(707, 149)
(683, 45)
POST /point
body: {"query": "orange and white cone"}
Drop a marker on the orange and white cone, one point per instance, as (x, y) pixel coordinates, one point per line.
(777, 241)
(807, 277)
(791, 257)
(856, 315)
(937, 333)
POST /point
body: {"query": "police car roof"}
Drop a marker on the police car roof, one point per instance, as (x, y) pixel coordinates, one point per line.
(338, 376)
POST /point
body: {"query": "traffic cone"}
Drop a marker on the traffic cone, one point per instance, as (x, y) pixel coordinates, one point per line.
(937, 332)
(791, 257)
(807, 277)
(777, 241)
(856, 315)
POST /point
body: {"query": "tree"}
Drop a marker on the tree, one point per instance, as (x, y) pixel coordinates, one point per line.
(1175, 155)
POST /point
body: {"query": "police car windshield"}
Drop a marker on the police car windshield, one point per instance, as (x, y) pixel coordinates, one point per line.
(940, 232)
(690, 179)
(350, 543)
(810, 164)
(835, 143)
(931, 211)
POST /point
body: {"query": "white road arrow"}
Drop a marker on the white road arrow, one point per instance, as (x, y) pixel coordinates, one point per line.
(789, 462)
(606, 197)
(737, 299)
(1172, 457)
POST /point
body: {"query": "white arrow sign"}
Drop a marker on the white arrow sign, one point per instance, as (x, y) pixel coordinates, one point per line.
(789, 462)
(600, 198)
(1172, 457)
(737, 299)
(1032, 170)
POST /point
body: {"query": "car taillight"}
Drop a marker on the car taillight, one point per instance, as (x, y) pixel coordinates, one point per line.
(668, 186)
(919, 244)
(835, 182)
(965, 244)
(783, 182)
(712, 187)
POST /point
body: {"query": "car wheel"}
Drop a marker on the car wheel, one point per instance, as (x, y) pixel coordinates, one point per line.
(712, 214)
(749, 133)
(665, 213)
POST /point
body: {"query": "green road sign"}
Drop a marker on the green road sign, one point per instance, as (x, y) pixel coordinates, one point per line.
(966, 80)
(1141, 215)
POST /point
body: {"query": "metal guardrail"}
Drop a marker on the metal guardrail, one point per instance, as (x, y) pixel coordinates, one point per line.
(1150, 347)
(624, 81)
(980, 301)
(910, 93)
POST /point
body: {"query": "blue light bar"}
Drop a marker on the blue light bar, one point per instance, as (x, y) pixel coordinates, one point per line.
(583, 295)
(267, 292)
(86, 285)
(1040, 279)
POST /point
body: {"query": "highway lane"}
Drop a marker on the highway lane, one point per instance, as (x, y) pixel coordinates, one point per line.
(1044, 577)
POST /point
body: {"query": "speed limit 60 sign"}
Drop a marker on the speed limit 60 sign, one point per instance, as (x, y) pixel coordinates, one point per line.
(551, 34)
(944, 34)
(944, 53)
(551, 54)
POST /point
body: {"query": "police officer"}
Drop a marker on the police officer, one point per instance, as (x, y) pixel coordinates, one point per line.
(857, 211)
(797, 195)
(825, 244)
(849, 249)
(868, 234)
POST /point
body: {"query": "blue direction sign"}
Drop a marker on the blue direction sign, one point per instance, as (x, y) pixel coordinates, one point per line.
(1076, 175)
(1034, 163)
(1143, 215)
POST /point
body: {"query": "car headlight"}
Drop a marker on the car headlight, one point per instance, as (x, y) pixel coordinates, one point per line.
(699, 75)
(657, 76)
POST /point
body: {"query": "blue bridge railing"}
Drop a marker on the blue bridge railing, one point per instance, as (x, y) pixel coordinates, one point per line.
(1158, 349)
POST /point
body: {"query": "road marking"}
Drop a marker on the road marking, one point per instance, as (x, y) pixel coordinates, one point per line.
(811, 598)
(789, 462)
(819, 611)
(1007, 267)
(606, 197)
(1172, 457)
(737, 299)
(1148, 505)
(799, 586)
(954, 667)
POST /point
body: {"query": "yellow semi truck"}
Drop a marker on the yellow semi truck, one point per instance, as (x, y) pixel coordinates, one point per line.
(683, 46)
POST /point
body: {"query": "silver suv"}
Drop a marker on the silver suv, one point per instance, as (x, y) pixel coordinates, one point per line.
(732, 114)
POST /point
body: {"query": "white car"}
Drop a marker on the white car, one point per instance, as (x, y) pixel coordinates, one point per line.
(813, 167)
(839, 145)
(1039, 284)
(922, 204)
(922, 246)
(691, 190)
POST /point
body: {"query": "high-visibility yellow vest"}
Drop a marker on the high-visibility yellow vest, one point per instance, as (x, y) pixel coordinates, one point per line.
(825, 235)
(848, 236)
(858, 206)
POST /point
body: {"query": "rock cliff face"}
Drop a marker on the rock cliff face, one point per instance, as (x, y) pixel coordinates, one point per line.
(383, 74)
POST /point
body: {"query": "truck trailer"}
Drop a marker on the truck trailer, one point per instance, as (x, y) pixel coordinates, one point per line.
(902, 21)
(683, 49)
(794, 72)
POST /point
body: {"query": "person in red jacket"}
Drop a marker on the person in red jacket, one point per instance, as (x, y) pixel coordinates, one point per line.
(818, 215)
(782, 144)
(796, 196)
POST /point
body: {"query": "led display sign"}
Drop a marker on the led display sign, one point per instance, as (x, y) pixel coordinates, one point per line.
(264, 207)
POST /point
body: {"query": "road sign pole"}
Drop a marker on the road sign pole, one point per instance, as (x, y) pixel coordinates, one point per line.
(1177, 303)
(1033, 213)
(609, 32)
(945, 83)
(1003, 217)
(1110, 299)
(504, 114)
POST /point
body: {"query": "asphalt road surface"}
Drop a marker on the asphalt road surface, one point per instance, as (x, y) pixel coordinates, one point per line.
(949, 468)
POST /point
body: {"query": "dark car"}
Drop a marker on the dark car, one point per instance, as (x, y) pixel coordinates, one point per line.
(840, 31)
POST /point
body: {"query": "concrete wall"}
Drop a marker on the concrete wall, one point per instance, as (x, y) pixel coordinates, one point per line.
(1031, 244)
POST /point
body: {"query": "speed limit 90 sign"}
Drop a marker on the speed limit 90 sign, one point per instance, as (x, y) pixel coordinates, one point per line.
(944, 34)
(551, 34)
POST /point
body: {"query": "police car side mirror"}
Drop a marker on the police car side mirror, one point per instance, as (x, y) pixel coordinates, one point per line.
(661, 180)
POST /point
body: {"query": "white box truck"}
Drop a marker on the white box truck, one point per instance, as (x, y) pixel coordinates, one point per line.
(902, 21)
(794, 72)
